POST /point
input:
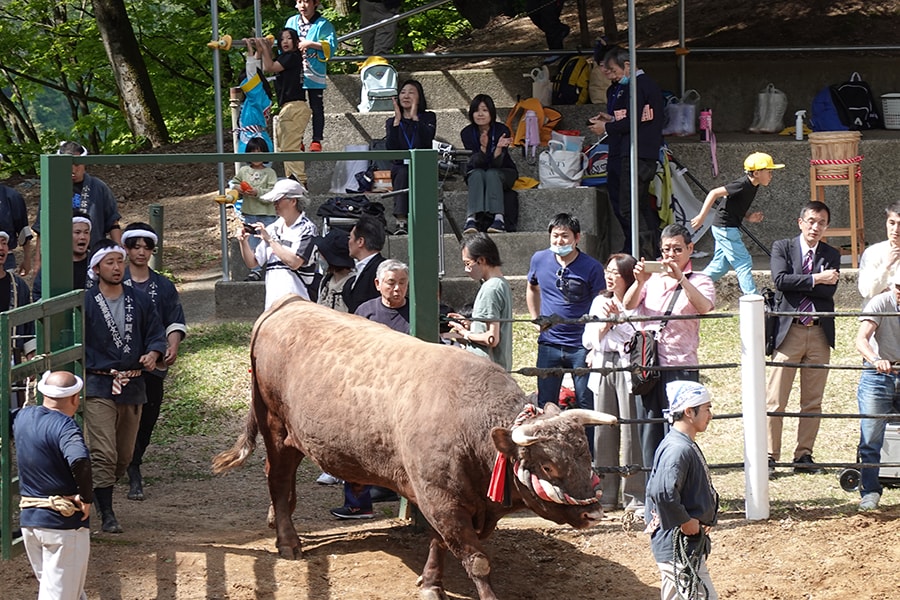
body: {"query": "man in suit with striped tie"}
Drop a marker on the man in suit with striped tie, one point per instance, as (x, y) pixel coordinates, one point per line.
(805, 271)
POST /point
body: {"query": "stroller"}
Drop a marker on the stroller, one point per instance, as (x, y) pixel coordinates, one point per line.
(379, 85)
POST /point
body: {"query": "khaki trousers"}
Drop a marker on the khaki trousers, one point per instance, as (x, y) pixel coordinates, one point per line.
(669, 591)
(290, 124)
(801, 344)
(110, 430)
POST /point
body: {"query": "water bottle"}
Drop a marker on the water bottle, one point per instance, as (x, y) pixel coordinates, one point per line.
(532, 132)
(798, 125)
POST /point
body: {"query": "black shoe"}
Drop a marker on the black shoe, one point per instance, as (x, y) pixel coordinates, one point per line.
(103, 500)
(350, 512)
(806, 464)
(136, 482)
(771, 468)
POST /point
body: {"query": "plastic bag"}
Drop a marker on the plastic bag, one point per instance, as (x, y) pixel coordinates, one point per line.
(681, 115)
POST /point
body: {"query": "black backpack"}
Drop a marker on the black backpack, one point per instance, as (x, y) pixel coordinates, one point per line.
(571, 83)
(351, 207)
(856, 105)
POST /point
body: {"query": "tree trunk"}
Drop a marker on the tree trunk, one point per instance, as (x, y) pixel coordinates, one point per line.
(135, 90)
(610, 28)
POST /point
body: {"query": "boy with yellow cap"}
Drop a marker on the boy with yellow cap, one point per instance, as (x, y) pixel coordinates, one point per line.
(730, 212)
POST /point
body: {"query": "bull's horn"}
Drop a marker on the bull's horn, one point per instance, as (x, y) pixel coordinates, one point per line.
(523, 435)
(590, 417)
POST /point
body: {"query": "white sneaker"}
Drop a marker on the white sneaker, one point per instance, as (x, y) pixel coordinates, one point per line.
(869, 501)
(328, 479)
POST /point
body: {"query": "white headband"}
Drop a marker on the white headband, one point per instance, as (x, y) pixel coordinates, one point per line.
(82, 220)
(56, 391)
(139, 233)
(98, 256)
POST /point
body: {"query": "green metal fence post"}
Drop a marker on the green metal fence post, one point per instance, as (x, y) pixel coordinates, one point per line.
(423, 244)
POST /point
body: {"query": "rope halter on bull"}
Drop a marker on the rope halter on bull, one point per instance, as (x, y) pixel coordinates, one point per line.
(501, 484)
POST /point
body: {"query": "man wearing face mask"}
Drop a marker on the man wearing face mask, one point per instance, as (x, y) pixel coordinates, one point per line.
(563, 281)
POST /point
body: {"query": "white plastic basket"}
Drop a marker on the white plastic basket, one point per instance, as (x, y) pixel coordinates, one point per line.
(890, 105)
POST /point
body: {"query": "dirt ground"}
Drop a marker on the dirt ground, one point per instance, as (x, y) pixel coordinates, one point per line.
(198, 536)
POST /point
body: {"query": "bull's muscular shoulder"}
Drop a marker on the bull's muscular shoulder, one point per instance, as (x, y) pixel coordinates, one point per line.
(318, 346)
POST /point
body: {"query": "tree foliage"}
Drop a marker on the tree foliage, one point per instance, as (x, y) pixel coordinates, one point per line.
(56, 81)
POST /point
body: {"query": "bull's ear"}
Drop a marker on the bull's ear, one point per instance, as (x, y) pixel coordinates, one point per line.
(503, 441)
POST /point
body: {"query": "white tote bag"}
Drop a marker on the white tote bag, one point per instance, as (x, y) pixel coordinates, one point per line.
(560, 168)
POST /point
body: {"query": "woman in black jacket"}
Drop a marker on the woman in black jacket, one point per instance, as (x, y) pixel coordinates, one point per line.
(491, 169)
(411, 127)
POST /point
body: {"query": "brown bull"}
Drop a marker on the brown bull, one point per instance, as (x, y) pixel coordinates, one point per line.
(374, 406)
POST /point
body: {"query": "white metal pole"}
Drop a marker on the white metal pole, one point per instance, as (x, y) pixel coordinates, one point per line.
(753, 384)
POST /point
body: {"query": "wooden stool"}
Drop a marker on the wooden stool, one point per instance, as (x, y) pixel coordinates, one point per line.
(825, 173)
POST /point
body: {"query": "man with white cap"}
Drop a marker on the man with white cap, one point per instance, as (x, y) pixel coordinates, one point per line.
(287, 244)
(681, 498)
(878, 340)
(14, 293)
(55, 486)
(81, 243)
(139, 240)
(123, 335)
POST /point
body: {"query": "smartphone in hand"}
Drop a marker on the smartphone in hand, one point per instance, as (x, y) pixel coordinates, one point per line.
(249, 229)
(653, 266)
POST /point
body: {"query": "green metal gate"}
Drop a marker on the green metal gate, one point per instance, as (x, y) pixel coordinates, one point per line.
(64, 352)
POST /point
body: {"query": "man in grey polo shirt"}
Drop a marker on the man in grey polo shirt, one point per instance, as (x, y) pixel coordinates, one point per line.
(878, 340)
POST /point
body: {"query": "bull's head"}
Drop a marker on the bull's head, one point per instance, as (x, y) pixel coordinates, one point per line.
(553, 464)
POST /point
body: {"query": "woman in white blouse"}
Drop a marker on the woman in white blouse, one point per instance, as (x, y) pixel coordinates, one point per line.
(612, 392)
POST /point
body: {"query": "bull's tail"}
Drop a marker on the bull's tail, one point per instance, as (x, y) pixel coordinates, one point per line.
(238, 454)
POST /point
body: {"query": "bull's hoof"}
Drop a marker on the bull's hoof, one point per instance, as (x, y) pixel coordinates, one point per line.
(290, 552)
(432, 593)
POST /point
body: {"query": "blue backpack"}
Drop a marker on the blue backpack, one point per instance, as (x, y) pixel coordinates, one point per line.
(824, 115)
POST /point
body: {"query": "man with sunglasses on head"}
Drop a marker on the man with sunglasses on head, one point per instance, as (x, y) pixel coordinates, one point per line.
(563, 281)
(676, 290)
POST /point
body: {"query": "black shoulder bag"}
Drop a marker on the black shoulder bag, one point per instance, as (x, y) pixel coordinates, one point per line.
(643, 352)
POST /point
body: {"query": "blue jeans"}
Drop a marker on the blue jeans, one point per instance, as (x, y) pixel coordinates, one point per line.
(567, 357)
(358, 496)
(731, 252)
(877, 394)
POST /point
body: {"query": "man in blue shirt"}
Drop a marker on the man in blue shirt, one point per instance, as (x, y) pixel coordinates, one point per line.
(563, 281)
(55, 485)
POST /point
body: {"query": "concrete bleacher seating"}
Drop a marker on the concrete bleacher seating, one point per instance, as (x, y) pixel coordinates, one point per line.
(729, 92)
